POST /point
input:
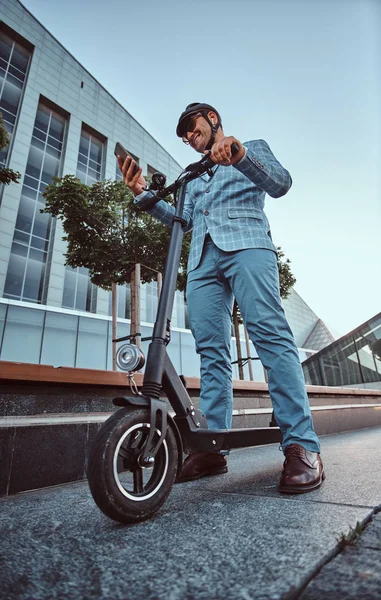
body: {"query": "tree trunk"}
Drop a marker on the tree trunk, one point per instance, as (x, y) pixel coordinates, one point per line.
(249, 362)
(238, 343)
(114, 322)
(159, 283)
(135, 304)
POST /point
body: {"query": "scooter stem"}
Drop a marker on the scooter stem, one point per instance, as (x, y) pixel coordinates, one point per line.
(157, 349)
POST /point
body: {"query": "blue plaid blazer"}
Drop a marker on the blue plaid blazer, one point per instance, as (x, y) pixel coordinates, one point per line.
(229, 205)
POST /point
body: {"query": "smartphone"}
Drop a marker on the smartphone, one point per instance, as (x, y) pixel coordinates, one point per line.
(122, 152)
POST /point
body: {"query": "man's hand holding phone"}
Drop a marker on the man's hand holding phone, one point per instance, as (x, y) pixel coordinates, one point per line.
(132, 173)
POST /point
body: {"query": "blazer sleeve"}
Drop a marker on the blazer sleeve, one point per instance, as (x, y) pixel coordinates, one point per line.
(164, 212)
(262, 168)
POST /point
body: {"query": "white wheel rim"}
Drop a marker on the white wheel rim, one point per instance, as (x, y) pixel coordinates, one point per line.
(115, 469)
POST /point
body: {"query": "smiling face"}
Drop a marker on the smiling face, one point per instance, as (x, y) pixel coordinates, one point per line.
(199, 131)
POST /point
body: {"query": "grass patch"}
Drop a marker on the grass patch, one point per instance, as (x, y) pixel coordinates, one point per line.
(350, 539)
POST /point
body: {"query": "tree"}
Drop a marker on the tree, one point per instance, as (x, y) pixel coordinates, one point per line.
(286, 282)
(7, 176)
(286, 277)
(108, 235)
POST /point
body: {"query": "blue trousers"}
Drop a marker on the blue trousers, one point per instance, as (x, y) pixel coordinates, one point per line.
(251, 276)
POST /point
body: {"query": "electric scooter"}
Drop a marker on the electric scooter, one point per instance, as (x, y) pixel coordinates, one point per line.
(138, 451)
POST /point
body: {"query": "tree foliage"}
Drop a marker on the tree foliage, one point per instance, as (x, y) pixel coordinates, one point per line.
(7, 176)
(107, 234)
(286, 277)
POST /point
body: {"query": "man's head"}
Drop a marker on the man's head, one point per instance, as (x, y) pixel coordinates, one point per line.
(198, 126)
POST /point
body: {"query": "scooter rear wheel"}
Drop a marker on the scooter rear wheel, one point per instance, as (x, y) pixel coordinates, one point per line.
(122, 486)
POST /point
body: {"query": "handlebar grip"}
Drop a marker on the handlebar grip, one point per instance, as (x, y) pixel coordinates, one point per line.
(234, 148)
(147, 203)
(209, 164)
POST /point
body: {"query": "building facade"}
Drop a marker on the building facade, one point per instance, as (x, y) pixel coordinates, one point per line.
(353, 360)
(62, 121)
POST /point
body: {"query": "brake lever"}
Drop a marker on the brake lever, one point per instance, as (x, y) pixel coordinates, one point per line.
(199, 164)
(206, 163)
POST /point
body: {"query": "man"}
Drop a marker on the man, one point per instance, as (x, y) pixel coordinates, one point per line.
(232, 255)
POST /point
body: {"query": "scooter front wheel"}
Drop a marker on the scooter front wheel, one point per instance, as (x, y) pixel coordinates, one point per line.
(123, 487)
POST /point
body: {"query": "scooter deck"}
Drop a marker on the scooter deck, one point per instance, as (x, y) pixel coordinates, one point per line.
(207, 440)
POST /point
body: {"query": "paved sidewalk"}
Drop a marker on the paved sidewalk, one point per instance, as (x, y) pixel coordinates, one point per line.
(229, 537)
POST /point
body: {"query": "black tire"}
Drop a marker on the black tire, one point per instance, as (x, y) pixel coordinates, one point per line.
(123, 489)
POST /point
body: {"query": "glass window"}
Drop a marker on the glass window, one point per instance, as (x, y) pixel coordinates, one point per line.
(20, 236)
(5, 47)
(79, 292)
(89, 166)
(29, 192)
(31, 182)
(15, 274)
(43, 163)
(20, 58)
(353, 359)
(57, 127)
(93, 165)
(39, 135)
(36, 156)
(11, 93)
(41, 227)
(84, 143)
(92, 340)
(22, 335)
(25, 215)
(42, 119)
(50, 168)
(92, 177)
(38, 243)
(96, 150)
(34, 277)
(16, 73)
(8, 119)
(19, 249)
(54, 143)
(14, 61)
(369, 351)
(118, 172)
(70, 284)
(59, 342)
(190, 360)
(81, 296)
(151, 302)
(123, 301)
(341, 367)
(52, 152)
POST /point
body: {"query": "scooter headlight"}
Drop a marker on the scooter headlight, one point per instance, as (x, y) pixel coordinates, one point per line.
(130, 358)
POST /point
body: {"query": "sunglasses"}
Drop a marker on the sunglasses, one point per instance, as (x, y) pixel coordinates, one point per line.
(190, 126)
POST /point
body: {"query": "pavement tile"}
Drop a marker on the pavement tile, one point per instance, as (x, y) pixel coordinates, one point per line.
(371, 536)
(353, 575)
(351, 461)
(230, 537)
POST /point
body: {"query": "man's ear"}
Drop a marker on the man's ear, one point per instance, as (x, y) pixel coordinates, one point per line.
(213, 117)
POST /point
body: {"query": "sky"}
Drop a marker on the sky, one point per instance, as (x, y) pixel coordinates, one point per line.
(305, 75)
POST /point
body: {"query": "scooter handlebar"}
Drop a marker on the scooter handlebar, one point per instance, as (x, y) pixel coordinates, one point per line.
(192, 171)
(206, 163)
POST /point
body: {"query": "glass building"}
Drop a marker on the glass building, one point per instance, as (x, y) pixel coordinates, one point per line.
(354, 360)
(62, 121)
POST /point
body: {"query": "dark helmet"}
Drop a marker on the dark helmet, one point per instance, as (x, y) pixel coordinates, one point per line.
(194, 109)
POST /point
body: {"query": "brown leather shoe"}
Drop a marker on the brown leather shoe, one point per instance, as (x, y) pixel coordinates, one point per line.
(303, 470)
(203, 464)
